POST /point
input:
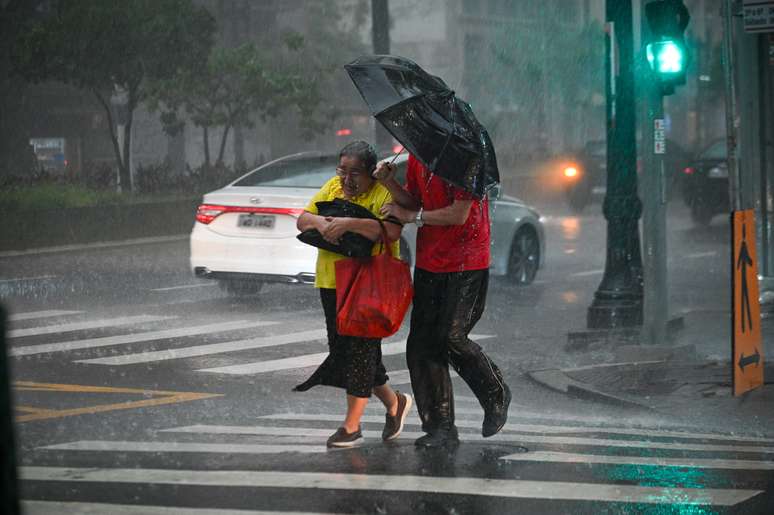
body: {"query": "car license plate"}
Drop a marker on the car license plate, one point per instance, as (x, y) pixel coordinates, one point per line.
(256, 221)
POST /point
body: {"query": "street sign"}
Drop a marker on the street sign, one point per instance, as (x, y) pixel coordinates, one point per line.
(758, 16)
(659, 136)
(746, 350)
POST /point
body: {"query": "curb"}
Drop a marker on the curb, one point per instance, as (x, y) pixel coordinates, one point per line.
(557, 380)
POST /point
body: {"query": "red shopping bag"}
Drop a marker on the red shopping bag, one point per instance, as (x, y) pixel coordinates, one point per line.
(372, 295)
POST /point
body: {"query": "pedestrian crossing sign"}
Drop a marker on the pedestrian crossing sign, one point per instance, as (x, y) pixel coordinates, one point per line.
(746, 350)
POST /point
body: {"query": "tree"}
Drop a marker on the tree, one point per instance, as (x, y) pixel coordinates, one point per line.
(15, 18)
(235, 85)
(113, 49)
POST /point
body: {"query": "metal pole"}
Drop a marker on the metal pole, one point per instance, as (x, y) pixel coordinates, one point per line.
(654, 195)
(732, 118)
(618, 299)
(656, 306)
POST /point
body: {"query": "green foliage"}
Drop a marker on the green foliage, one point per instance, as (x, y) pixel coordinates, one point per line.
(52, 195)
(235, 85)
(115, 47)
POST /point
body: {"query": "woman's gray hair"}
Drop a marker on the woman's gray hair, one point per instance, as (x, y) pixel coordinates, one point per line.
(361, 150)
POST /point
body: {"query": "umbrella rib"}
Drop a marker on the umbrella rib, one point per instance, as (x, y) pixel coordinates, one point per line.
(399, 104)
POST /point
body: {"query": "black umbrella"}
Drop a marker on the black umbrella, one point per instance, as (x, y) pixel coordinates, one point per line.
(425, 116)
(351, 244)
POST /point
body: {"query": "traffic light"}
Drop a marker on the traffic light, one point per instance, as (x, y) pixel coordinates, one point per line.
(665, 50)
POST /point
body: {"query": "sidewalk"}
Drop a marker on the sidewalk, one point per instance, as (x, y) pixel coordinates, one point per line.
(690, 377)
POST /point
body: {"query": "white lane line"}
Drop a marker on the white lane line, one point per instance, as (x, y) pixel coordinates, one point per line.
(90, 508)
(204, 350)
(42, 314)
(562, 457)
(533, 428)
(185, 286)
(697, 255)
(80, 326)
(305, 360)
(227, 448)
(97, 245)
(501, 437)
(134, 338)
(555, 490)
(586, 273)
(20, 279)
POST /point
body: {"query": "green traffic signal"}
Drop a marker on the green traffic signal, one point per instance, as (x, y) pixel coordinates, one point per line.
(666, 57)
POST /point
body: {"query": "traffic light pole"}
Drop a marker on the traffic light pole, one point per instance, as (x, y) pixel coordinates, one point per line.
(618, 300)
(656, 305)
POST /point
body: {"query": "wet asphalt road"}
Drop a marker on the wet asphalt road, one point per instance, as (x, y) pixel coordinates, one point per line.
(138, 385)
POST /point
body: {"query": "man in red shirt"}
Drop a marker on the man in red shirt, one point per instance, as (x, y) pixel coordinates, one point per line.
(450, 284)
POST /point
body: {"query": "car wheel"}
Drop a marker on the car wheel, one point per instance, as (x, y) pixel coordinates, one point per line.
(405, 251)
(701, 214)
(240, 288)
(524, 258)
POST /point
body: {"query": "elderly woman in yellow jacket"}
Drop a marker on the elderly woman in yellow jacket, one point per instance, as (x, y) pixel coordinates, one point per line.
(354, 364)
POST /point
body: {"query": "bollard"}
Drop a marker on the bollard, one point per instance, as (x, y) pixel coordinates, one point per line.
(9, 497)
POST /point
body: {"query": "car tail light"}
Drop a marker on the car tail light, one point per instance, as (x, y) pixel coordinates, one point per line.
(209, 212)
(688, 170)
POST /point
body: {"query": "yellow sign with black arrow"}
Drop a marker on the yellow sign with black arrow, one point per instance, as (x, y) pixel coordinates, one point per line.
(747, 359)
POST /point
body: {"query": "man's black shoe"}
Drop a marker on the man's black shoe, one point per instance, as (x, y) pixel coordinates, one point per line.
(439, 438)
(496, 413)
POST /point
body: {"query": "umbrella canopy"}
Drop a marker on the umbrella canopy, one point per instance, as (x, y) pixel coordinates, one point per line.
(425, 116)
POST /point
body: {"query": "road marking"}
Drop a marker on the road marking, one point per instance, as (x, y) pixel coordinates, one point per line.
(160, 397)
(20, 279)
(185, 286)
(97, 245)
(305, 360)
(204, 350)
(501, 437)
(536, 428)
(106, 341)
(90, 324)
(225, 448)
(41, 314)
(89, 508)
(696, 255)
(588, 272)
(562, 457)
(554, 490)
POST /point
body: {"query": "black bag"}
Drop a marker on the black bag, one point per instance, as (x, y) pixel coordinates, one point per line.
(351, 244)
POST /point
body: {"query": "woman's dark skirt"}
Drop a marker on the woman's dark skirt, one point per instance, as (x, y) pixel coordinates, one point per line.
(354, 364)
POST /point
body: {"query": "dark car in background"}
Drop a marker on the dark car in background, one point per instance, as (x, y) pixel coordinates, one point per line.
(705, 183)
(584, 172)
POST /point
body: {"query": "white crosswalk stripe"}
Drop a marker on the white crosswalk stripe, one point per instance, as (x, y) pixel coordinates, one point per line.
(292, 434)
(306, 360)
(146, 336)
(204, 350)
(89, 324)
(83, 508)
(512, 488)
(41, 314)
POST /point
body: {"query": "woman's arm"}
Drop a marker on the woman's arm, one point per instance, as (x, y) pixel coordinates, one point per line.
(367, 227)
(309, 220)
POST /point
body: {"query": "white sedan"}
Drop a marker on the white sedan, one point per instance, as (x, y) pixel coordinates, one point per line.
(245, 233)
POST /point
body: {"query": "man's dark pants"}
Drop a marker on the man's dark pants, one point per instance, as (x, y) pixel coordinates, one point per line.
(446, 307)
